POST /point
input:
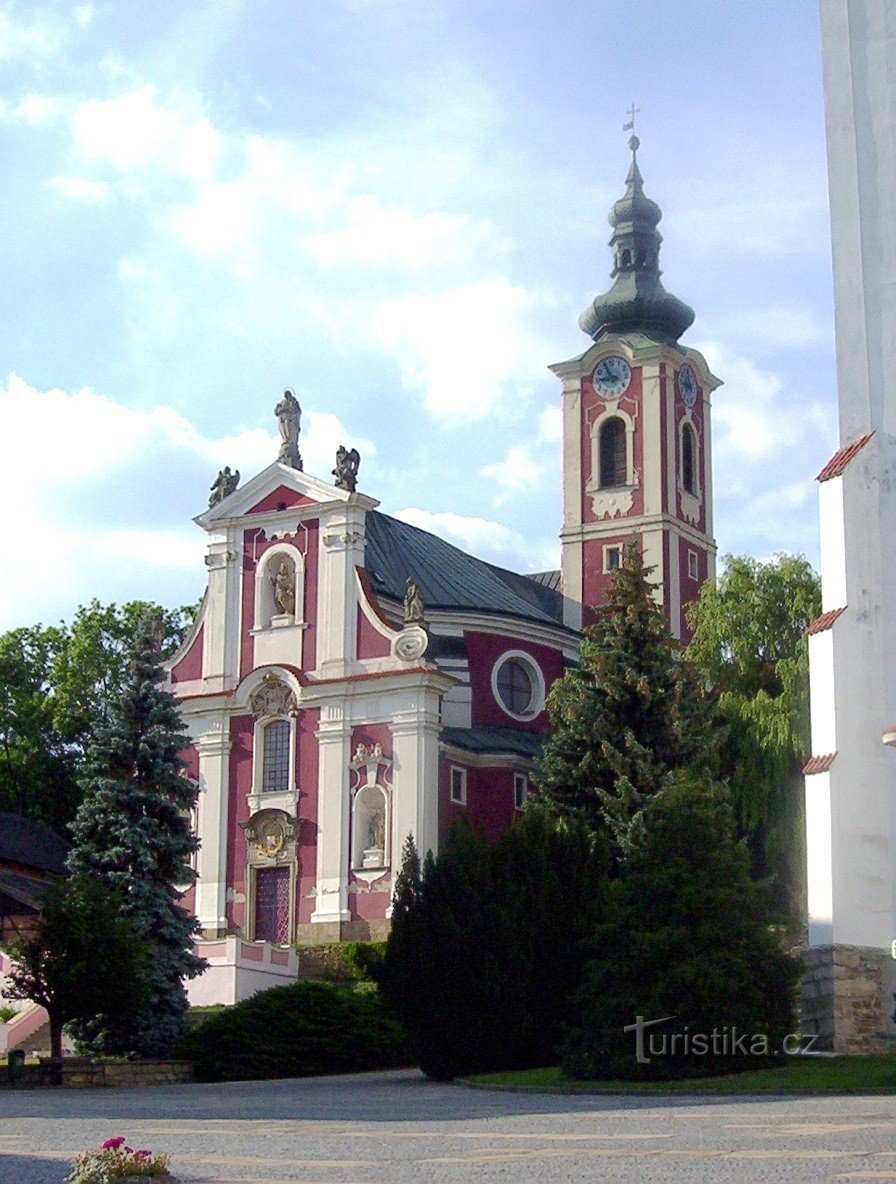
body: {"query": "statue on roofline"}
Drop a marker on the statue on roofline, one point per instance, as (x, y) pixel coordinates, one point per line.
(223, 486)
(348, 461)
(289, 417)
(413, 604)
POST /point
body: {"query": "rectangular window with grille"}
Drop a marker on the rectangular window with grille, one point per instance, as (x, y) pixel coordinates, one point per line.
(275, 773)
(520, 790)
(458, 785)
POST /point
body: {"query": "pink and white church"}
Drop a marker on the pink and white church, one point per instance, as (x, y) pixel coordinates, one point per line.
(351, 679)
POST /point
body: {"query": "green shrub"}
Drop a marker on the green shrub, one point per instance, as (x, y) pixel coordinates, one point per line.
(353, 961)
(486, 946)
(197, 1016)
(6, 1014)
(301, 1030)
(688, 938)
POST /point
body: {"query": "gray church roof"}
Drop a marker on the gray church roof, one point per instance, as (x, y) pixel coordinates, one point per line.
(449, 578)
(494, 740)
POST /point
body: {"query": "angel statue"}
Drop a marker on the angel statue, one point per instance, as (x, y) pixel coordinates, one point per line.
(289, 416)
(348, 462)
(223, 485)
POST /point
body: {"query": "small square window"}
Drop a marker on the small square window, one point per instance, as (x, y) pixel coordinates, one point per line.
(693, 565)
(520, 790)
(612, 559)
(458, 785)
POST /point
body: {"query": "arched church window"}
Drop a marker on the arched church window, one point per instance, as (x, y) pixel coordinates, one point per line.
(688, 460)
(612, 457)
(275, 770)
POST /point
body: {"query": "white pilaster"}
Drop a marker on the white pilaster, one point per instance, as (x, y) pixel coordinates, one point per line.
(415, 773)
(334, 748)
(220, 646)
(341, 551)
(213, 749)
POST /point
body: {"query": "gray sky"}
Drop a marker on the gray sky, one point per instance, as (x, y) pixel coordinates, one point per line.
(398, 209)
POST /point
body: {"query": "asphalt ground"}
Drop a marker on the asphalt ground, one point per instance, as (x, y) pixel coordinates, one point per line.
(398, 1128)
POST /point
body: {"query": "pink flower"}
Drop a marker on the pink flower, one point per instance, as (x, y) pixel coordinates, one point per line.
(112, 1144)
(142, 1154)
(129, 1150)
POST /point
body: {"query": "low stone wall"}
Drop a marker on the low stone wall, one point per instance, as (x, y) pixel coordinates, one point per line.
(78, 1074)
(845, 992)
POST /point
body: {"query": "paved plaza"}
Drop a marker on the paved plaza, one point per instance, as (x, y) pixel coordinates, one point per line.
(391, 1128)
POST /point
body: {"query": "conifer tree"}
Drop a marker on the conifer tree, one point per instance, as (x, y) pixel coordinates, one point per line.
(133, 833)
(627, 716)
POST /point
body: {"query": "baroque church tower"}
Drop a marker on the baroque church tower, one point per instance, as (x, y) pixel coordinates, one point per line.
(636, 429)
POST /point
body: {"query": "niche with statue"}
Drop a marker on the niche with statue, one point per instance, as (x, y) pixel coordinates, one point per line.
(370, 810)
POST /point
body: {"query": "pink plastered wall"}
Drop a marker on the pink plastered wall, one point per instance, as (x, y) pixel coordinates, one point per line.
(371, 644)
(489, 810)
(280, 498)
(190, 665)
(483, 651)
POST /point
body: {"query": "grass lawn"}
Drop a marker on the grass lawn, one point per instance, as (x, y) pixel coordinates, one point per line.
(798, 1075)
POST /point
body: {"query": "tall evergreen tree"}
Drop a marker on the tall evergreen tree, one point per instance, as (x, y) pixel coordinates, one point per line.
(132, 831)
(627, 716)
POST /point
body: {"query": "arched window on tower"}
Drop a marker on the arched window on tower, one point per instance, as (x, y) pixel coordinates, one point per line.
(612, 453)
(689, 460)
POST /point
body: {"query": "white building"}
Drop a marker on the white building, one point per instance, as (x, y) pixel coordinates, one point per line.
(851, 777)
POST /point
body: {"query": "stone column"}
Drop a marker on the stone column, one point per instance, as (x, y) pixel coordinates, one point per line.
(213, 749)
(341, 551)
(334, 755)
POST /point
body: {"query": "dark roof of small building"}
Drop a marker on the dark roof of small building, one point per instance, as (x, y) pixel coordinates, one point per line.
(31, 844)
(449, 578)
(494, 740)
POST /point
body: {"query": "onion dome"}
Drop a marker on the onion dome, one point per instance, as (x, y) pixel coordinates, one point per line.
(637, 301)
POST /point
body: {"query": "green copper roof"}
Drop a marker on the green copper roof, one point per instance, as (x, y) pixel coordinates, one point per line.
(637, 301)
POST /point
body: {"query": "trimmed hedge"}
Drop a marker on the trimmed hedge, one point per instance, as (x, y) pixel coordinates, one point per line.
(301, 1030)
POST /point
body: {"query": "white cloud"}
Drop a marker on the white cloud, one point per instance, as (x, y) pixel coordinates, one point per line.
(92, 480)
(374, 235)
(36, 109)
(550, 424)
(465, 349)
(18, 39)
(517, 471)
(133, 132)
(80, 188)
(83, 14)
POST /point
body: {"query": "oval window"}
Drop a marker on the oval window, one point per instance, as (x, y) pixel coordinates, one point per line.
(518, 685)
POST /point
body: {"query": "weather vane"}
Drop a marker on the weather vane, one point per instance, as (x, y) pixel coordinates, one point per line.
(630, 125)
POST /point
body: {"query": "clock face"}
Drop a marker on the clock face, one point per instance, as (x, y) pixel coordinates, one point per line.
(687, 384)
(612, 376)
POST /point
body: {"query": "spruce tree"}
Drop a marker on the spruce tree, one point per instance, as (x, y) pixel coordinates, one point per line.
(688, 939)
(627, 716)
(133, 833)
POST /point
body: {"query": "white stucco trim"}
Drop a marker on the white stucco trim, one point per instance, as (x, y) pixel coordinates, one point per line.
(538, 686)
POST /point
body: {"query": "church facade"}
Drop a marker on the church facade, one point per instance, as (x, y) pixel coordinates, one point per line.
(351, 680)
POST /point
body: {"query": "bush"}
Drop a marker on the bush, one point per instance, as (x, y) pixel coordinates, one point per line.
(352, 961)
(486, 946)
(688, 938)
(300, 1030)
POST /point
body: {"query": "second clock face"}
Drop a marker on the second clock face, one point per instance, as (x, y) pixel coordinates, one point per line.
(687, 384)
(612, 376)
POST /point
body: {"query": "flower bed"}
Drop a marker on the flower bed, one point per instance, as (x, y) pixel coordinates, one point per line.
(115, 1160)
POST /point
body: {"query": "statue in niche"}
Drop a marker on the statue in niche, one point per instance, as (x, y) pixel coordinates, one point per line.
(284, 583)
(413, 604)
(348, 461)
(376, 830)
(223, 486)
(289, 417)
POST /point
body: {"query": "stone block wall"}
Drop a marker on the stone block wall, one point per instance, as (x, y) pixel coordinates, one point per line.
(845, 999)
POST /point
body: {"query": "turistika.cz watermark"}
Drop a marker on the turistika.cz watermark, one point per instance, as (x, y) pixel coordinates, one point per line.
(724, 1041)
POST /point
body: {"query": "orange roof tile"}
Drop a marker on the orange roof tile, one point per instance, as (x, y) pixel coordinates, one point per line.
(818, 764)
(841, 459)
(825, 621)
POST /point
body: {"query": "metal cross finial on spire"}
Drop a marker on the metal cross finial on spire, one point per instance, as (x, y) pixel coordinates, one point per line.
(629, 125)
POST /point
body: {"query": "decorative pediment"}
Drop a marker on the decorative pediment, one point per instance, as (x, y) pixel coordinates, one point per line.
(280, 485)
